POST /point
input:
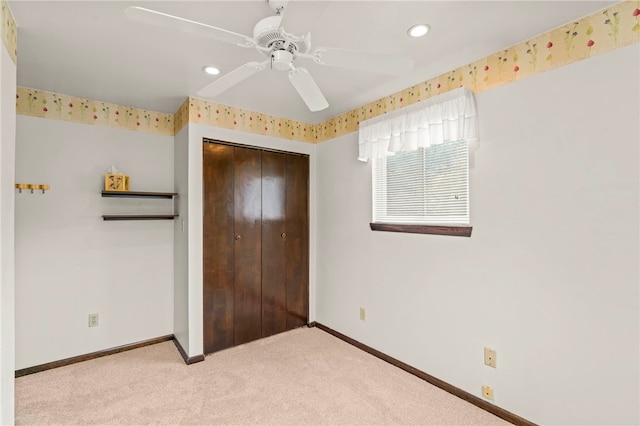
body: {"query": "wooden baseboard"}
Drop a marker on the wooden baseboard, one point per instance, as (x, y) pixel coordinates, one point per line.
(93, 355)
(187, 359)
(472, 399)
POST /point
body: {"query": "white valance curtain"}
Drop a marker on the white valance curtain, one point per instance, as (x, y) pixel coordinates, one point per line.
(447, 117)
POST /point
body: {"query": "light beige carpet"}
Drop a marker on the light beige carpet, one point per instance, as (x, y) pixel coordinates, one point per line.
(304, 376)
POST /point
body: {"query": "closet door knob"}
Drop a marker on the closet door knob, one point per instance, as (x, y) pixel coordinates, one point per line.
(238, 237)
(284, 235)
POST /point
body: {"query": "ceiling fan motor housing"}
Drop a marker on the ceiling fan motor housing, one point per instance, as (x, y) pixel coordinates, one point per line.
(267, 35)
(267, 30)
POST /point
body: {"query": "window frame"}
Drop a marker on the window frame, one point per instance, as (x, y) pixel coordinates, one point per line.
(450, 230)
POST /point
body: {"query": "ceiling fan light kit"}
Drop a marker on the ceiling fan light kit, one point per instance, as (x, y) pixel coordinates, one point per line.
(282, 48)
(281, 60)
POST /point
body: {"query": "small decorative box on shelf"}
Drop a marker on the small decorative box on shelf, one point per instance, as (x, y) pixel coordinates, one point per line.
(116, 182)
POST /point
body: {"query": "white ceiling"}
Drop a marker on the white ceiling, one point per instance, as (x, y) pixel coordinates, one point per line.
(89, 49)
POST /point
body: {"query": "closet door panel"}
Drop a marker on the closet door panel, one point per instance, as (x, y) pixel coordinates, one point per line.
(297, 242)
(218, 261)
(274, 288)
(248, 240)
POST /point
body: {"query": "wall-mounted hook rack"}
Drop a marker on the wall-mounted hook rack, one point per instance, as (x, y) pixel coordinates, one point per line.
(32, 186)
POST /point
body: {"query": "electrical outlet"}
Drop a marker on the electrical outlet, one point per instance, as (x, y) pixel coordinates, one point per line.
(487, 392)
(490, 357)
(93, 320)
(363, 314)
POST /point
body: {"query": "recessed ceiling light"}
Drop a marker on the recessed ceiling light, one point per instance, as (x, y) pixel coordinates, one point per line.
(211, 70)
(418, 30)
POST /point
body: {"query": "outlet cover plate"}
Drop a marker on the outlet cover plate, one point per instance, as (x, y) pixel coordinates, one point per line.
(93, 320)
(487, 392)
(490, 357)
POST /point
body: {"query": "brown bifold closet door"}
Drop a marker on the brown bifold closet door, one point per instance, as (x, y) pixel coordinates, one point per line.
(297, 241)
(274, 284)
(256, 244)
(248, 244)
(218, 259)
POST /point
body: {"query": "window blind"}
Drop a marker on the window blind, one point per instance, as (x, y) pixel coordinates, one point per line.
(428, 185)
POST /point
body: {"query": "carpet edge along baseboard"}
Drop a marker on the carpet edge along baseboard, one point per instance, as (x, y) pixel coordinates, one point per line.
(462, 394)
(93, 355)
(187, 359)
(472, 399)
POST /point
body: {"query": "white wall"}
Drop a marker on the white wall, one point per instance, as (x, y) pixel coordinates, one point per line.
(69, 262)
(550, 275)
(181, 240)
(193, 259)
(7, 277)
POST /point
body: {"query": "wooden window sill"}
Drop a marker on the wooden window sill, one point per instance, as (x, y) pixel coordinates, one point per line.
(456, 231)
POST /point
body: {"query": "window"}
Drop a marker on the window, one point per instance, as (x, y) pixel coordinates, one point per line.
(426, 186)
(420, 165)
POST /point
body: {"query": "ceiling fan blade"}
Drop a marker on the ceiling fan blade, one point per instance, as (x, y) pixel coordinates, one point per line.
(148, 16)
(231, 78)
(308, 89)
(373, 62)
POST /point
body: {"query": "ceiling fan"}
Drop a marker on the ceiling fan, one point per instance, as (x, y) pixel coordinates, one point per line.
(281, 48)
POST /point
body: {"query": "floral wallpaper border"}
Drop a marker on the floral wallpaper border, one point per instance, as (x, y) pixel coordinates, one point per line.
(181, 116)
(218, 115)
(9, 30)
(603, 31)
(38, 103)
